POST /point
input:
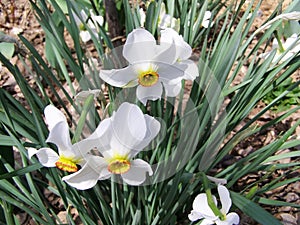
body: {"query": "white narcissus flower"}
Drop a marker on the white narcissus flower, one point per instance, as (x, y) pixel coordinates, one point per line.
(69, 155)
(201, 209)
(167, 21)
(152, 66)
(206, 19)
(183, 53)
(93, 22)
(127, 132)
(292, 43)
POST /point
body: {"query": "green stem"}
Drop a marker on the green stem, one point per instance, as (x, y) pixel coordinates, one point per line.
(210, 200)
(7, 208)
(113, 200)
(86, 106)
(280, 45)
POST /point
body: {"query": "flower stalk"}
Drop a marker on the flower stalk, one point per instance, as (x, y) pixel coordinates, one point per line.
(210, 200)
(280, 45)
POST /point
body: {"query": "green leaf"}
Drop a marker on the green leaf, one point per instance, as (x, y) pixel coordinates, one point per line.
(253, 210)
(272, 202)
(63, 5)
(7, 49)
(21, 172)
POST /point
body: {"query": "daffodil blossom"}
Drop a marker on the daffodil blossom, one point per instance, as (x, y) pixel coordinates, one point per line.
(92, 23)
(164, 20)
(127, 132)
(69, 156)
(183, 53)
(201, 209)
(152, 66)
(167, 21)
(206, 20)
(291, 47)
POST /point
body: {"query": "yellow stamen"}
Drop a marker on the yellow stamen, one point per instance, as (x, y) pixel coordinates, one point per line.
(119, 166)
(67, 164)
(148, 78)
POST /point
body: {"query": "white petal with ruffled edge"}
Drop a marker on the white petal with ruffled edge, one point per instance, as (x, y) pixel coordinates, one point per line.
(120, 77)
(137, 173)
(194, 215)
(47, 157)
(88, 175)
(149, 93)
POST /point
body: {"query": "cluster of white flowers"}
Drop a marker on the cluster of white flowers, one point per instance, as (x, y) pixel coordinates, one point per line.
(117, 139)
(112, 148)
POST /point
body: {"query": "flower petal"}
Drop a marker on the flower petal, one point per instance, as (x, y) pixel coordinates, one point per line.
(119, 77)
(128, 126)
(59, 135)
(225, 199)
(88, 175)
(171, 73)
(190, 69)
(231, 219)
(53, 116)
(85, 35)
(207, 15)
(207, 222)
(137, 173)
(172, 90)
(153, 127)
(200, 205)
(47, 156)
(194, 215)
(205, 23)
(183, 49)
(100, 139)
(149, 93)
(140, 46)
(164, 21)
(166, 54)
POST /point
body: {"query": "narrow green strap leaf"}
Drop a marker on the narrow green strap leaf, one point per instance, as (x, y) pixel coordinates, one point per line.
(22, 171)
(253, 210)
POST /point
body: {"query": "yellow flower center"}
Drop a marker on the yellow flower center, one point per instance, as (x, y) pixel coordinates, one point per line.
(148, 78)
(119, 166)
(67, 164)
